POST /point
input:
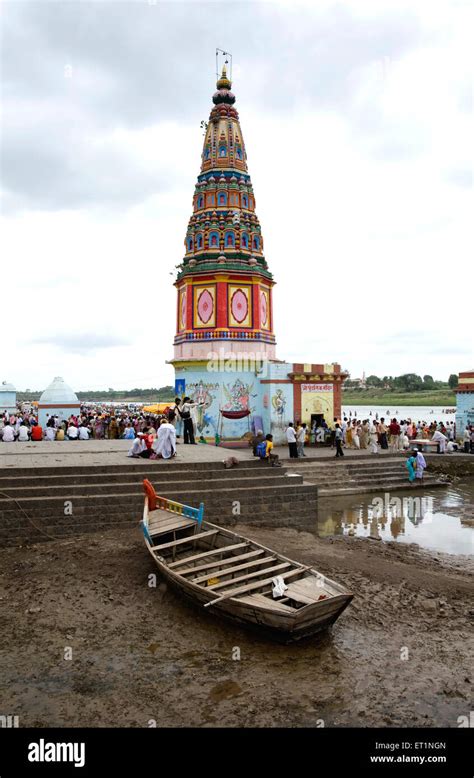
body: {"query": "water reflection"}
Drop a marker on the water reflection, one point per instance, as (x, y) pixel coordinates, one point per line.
(438, 519)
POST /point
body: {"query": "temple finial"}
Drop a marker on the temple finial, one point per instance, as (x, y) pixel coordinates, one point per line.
(223, 82)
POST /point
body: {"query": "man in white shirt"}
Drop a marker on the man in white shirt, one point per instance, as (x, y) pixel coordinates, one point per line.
(23, 433)
(344, 430)
(291, 438)
(8, 434)
(50, 433)
(72, 432)
(441, 440)
(137, 447)
(300, 437)
(83, 433)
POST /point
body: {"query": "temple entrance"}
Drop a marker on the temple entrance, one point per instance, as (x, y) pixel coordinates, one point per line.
(318, 418)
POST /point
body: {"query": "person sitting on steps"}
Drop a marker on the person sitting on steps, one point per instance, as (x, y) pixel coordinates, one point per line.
(264, 451)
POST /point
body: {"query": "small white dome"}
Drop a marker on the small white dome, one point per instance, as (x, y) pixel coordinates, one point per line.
(6, 387)
(58, 393)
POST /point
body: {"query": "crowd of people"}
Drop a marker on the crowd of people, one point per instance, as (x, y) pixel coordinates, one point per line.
(150, 434)
(142, 429)
(375, 435)
(83, 426)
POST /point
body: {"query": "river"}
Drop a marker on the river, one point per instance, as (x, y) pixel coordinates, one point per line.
(415, 412)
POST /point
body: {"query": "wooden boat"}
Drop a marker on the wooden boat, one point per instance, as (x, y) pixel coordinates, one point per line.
(233, 576)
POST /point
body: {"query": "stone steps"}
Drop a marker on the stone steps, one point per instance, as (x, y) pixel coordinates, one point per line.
(140, 466)
(73, 489)
(356, 477)
(39, 504)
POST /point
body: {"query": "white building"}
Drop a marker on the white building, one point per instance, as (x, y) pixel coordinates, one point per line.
(58, 399)
(7, 398)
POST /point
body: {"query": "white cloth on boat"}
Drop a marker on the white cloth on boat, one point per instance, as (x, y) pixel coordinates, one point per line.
(279, 586)
(165, 443)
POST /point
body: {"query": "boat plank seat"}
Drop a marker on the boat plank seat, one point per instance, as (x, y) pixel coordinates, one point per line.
(233, 581)
(295, 594)
(225, 561)
(234, 569)
(170, 525)
(256, 585)
(185, 560)
(312, 587)
(190, 539)
(266, 602)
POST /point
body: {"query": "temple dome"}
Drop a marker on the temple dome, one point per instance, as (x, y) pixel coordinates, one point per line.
(58, 393)
(6, 387)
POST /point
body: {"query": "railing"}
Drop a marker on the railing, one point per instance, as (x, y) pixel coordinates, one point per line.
(164, 504)
(225, 335)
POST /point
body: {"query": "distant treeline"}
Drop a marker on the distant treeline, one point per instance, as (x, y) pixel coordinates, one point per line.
(409, 382)
(164, 394)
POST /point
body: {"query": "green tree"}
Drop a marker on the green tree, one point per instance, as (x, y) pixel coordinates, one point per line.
(409, 382)
(453, 381)
(374, 380)
(428, 382)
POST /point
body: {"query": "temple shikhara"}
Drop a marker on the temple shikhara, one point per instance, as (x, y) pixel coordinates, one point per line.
(224, 348)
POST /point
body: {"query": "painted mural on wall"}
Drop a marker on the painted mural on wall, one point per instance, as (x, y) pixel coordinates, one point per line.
(278, 408)
(237, 396)
(281, 410)
(234, 396)
(205, 394)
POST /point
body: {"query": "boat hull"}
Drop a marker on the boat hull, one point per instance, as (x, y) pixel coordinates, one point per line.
(282, 627)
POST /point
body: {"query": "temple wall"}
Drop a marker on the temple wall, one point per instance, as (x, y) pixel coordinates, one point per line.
(464, 411)
(8, 402)
(231, 391)
(64, 412)
(215, 349)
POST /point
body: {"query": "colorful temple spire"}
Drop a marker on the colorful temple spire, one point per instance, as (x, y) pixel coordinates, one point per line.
(224, 285)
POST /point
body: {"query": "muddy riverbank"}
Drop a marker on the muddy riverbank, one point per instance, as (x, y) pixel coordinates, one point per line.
(398, 656)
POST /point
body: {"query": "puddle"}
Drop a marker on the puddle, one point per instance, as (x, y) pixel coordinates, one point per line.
(437, 519)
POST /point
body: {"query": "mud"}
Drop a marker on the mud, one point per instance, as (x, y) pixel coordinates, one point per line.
(400, 655)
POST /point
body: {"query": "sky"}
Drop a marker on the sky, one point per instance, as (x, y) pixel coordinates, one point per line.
(357, 120)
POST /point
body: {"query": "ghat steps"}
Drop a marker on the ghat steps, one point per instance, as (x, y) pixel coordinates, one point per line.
(42, 502)
(357, 475)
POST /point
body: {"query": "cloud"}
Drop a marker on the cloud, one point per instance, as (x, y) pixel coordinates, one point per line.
(461, 176)
(79, 86)
(82, 343)
(356, 117)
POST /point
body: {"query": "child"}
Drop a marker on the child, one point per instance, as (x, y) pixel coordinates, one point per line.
(264, 451)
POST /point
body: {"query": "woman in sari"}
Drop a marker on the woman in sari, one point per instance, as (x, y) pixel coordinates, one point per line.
(99, 429)
(355, 435)
(420, 464)
(373, 437)
(349, 436)
(411, 467)
(364, 434)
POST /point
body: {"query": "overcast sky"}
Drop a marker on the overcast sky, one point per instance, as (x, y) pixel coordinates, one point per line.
(357, 118)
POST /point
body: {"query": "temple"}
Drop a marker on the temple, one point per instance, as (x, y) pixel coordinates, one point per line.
(464, 402)
(224, 348)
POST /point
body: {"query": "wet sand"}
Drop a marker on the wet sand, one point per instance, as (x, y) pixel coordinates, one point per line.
(400, 655)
